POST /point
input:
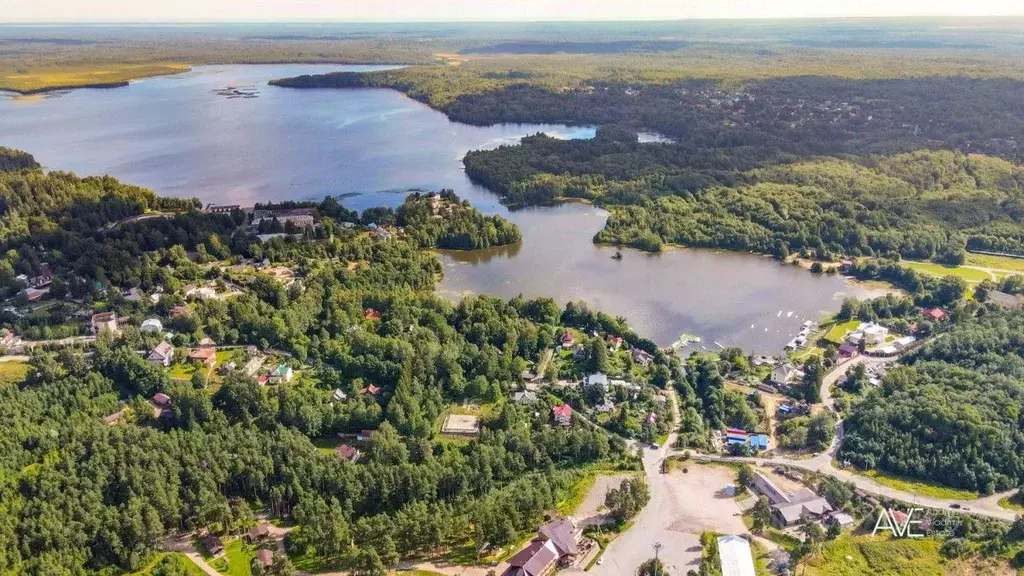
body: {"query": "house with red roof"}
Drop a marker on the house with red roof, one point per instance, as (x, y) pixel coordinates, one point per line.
(350, 453)
(371, 314)
(936, 314)
(568, 340)
(562, 414)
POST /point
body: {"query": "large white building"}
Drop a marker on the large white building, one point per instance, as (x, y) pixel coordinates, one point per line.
(734, 554)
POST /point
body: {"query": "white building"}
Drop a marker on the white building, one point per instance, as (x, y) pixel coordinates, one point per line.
(151, 325)
(785, 374)
(163, 354)
(734, 554)
(870, 333)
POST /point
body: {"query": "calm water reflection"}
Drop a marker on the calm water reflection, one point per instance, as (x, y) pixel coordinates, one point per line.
(734, 299)
(179, 137)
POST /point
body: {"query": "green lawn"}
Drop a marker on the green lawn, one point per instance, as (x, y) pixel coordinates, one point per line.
(862, 556)
(919, 487)
(933, 269)
(236, 560)
(13, 372)
(166, 559)
(327, 444)
(996, 262)
(836, 333)
(575, 495)
(182, 371)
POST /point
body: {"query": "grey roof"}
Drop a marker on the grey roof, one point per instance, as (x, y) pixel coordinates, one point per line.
(525, 397)
(560, 532)
(1005, 300)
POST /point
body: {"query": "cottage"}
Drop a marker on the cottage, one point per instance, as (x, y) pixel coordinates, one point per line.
(180, 311)
(371, 314)
(526, 397)
(207, 342)
(605, 407)
(568, 340)
(203, 356)
(282, 374)
(597, 380)
(381, 234)
(785, 374)
(562, 415)
(789, 509)
(936, 314)
(615, 342)
(848, 350)
(371, 390)
(252, 366)
(35, 294)
(350, 453)
(257, 533)
(735, 557)
(364, 435)
(162, 355)
(213, 545)
(841, 519)
(338, 396)
(104, 322)
(132, 295)
(151, 326)
(641, 357)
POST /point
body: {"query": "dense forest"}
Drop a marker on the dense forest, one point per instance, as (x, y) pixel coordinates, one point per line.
(952, 412)
(444, 221)
(80, 495)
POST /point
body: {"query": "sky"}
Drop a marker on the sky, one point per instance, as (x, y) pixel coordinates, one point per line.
(481, 10)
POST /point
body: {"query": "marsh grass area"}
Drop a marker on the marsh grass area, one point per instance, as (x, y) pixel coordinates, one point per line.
(37, 80)
(919, 487)
(13, 373)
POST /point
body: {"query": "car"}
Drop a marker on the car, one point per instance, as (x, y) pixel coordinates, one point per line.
(954, 506)
(600, 561)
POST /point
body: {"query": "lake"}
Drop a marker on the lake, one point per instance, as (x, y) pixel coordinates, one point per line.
(185, 135)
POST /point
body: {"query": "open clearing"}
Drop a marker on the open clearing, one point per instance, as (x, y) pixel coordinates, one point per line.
(918, 487)
(107, 74)
(932, 269)
(589, 510)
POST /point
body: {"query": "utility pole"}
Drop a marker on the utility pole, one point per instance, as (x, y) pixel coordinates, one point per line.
(657, 549)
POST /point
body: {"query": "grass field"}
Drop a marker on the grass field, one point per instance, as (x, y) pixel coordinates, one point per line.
(932, 269)
(918, 487)
(855, 556)
(1015, 503)
(237, 559)
(836, 333)
(13, 372)
(107, 74)
(179, 561)
(997, 262)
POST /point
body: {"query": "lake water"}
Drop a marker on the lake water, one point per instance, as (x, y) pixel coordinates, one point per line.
(180, 137)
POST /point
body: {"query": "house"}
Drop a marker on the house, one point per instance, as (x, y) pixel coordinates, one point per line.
(652, 418)
(526, 397)
(554, 545)
(265, 558)
(9, 340)
(372, 390)
(163, 354)
(734, 556)
(598, 380)
(615, 342)
(207, 342)
(562, 414)
(841, 519)
(213, 544)
(364, 435)
(115, 418)
(873, 333)
(132, 295)
(35, 294)
(936, 314)
(230, 366)
(44, 278)
(257, 533)
(848, 350)
(1011, 301)
(904, 343)
(381, 234)
(281, 374)
(371, 314)
(104, 322)
(785, 374)
(338, 396)
(151, 325)
(605, 407)
(252, 366)
(568, 340)
(789, 509)
(767, 387)
(204, 356)
(179, 311)
(641, 357)
(350, 453)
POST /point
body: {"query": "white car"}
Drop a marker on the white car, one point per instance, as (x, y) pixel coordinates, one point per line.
(600, 561)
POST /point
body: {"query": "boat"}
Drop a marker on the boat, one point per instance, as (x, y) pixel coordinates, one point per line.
(617, 255)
